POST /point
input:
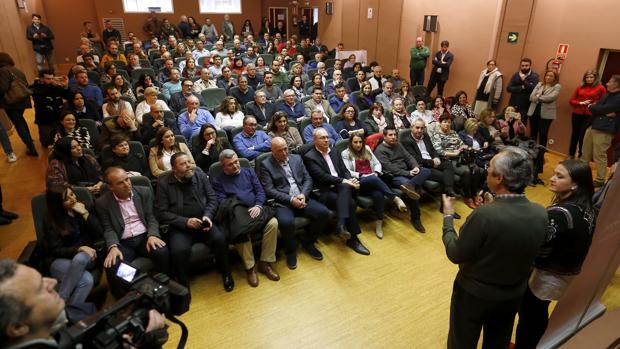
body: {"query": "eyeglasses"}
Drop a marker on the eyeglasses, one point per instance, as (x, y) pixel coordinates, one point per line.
(188, 85)
(350, 111)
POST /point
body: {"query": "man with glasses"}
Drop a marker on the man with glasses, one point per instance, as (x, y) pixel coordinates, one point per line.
(178, 100)
(261, 108)
(251, 142)
(293, 109)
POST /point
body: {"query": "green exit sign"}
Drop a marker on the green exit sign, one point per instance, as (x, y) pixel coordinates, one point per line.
(513, 37)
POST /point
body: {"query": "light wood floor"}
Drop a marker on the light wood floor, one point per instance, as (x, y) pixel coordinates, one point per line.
(398, 297)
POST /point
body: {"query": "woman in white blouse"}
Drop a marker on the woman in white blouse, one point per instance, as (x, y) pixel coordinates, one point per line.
(230, 115)
(165, 146)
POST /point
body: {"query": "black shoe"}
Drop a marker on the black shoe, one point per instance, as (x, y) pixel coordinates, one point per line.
(356, 245)
(410, 190)
(32, 152)
(456, 215)
(5, 221)
(417, 224)
(291, 260)
(343, 233)
(229, 282)
(312, 251)
(9, 215)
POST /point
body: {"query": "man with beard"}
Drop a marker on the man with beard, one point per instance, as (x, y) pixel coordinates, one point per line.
(521, 86)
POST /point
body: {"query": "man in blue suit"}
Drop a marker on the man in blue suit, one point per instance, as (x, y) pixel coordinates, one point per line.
(286, 180)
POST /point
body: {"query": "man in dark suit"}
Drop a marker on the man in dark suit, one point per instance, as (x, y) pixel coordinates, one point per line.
(186, 202)
(130, 228)
(286, 180)
(441, 69)
(337, 188)
(156, 119)
(419, 144)
(261, 108)
(178, 100)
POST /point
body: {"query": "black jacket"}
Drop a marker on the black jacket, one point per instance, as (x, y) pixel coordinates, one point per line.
(610, 103)
(319, 170)
(48, 102)
(262, 119)
(411, 146)
(41, 45)
(274, 180)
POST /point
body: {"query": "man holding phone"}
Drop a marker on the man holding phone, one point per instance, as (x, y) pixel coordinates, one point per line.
(186, 202)
(41, 37)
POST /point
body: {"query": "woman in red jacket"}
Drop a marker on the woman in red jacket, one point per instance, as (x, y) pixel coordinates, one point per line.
(589, 92)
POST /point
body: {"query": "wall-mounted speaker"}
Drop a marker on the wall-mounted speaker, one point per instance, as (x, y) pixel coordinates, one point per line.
(329, 8)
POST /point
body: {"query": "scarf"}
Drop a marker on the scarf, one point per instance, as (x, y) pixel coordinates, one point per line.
(494, 74)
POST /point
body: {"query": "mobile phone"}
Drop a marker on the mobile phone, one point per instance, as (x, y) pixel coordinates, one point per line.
(126, 272)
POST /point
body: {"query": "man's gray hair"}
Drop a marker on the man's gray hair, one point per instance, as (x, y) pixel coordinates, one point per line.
(515, 167)
(14, 310)
(250, 66)
(317, 130)
(288, 91)
(320, 65)
(227, 154)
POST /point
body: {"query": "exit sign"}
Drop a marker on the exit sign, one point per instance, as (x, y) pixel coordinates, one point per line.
(513, 37)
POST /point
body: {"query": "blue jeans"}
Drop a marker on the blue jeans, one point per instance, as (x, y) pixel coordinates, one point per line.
(418, 179)
(5, 141)
(75, 282)
(48, 57)
(374, 187)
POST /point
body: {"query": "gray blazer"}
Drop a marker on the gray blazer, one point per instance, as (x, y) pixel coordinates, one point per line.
(547, 97)
(274, 179)
(310, 106)
(109, 214)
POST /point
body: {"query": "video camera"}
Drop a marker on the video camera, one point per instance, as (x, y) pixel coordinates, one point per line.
(130, 314)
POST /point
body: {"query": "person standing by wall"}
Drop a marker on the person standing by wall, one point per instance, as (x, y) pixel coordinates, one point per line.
(419, 55)
(521, 85)
(441, 69)
(41, 37)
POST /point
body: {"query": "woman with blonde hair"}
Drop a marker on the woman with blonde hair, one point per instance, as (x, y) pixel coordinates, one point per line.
(150, 98)
(543, 106)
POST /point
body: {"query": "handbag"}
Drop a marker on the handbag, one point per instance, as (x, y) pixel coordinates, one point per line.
(17, 92)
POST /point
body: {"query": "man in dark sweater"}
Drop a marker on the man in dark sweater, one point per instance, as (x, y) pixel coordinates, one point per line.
(401, 170)
(521, 85)
(605, 123)
(242, 184)
(186, 202)
(494, 250)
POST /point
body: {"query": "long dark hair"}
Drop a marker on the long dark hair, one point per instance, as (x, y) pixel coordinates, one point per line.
(203, 142)
(363, 154)
(277, 116)
(124, 87)
(55, 196)
(62, 149)
(159, 136)
(6, 60)
(581, 174)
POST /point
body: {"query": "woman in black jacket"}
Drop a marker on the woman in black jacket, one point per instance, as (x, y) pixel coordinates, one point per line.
(83, 108)
(206, 150)
(571, 225)
(15, 110)
(70, 234)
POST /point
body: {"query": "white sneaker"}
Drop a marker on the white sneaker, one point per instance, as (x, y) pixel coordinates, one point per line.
(12, 157)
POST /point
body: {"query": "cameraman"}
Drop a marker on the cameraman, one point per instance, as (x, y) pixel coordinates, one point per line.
(31, 311)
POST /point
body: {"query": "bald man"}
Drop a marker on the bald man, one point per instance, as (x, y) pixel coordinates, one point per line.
(286, 180)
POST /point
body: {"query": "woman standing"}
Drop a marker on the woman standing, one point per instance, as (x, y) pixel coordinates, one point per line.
(489, 88)
(363, 165)
(161, 153)
(589, 92)
(15, 110)
(70, 233)
(571, 225)
(543, 108)
(207, 149)
(67, 127)
(279, 128)
(247, 29)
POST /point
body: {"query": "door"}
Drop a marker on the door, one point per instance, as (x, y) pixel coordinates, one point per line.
(279, 14)
(311, 14)
(610, 64)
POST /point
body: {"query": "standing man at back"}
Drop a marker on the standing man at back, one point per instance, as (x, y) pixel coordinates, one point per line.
(419, 55)
(441, 69)
(41, 37)
(521, 86)
(495, 250)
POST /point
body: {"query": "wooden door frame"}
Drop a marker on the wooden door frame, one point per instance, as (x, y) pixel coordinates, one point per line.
(275, 23)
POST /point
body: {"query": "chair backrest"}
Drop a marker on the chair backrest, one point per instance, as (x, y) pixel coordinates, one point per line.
(136, 73)
(216, 167)
(410, 108)
(329, 63)
(39, 208)
(304, 99)
(363, 115)
(93, 131)
(348, 72)
(178, 60)
(311, 72)
(201, 61)
(259, 160)
(307, 84)
(120, 64)
(213, 97)
(93, 77)
(419, 91)
(341, 145)
(235, 131)
(267, 57)
(403, 133)
(145, 63)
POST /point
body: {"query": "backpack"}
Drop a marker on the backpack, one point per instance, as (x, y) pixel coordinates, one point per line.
(17, 92)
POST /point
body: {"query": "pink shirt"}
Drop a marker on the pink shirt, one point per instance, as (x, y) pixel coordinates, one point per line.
(133, 223)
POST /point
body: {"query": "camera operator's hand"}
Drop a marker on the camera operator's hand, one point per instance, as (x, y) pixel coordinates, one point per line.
(110, 259)
(448, 204)
(153, 243)
(157, 323)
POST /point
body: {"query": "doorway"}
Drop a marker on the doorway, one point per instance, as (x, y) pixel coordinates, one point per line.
(312, 14)
(279, 14)
(610, 64)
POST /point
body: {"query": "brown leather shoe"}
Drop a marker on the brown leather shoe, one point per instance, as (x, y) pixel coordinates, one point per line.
(252, 276)
(266, 269)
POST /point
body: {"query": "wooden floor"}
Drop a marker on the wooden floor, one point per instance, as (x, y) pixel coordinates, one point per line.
(398, 297)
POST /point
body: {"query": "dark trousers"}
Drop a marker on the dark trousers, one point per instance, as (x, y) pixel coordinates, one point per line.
(181, 242)
(397, 181)
(435, 79)
(341, 200)
(314, 210)
(131, 249)
(46, 135)
(416, 76)
(539, 129)
(17, 118)
(376, 188)
(533, 321)
(469, 314)
(580, 125)
(444, 173)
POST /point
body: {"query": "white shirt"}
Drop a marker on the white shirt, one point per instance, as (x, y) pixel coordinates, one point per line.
(330, 164)
(422, 147)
